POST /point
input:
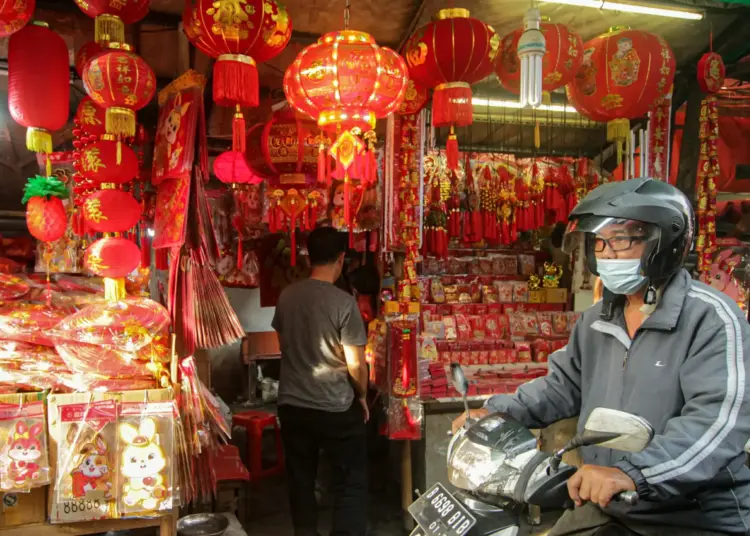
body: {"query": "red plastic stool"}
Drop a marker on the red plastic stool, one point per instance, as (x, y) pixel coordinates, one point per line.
(255, 422)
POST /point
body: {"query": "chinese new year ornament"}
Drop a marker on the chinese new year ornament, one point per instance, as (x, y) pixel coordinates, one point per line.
(45, 212)
(14, 14)
(110, 16)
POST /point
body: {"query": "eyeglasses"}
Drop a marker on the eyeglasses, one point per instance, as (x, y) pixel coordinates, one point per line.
(617, 243)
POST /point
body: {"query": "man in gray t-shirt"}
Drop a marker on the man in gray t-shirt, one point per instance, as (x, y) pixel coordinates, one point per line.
(322, 389)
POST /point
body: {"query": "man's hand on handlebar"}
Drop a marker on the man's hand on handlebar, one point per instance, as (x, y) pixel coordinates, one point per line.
(476, 414)
(598, 484)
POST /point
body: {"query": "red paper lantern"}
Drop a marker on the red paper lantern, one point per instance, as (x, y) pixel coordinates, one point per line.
(111, 16)
(414, 99)
(230, 167)
(111, 211)
(107, 161)
(38, 83)
(711, 72)
(622, 74)
(285, 149)
(112, 257)
(90, 122)
(120, 81)
(347, 80)
(449, 54)
(14, 14)
(84, 55)
(562, 58)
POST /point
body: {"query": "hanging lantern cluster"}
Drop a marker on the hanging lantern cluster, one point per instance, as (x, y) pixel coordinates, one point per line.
(622, 75)
(237, 35)
(111, 17)
(14, 15)
(346, 82)
(450, 54)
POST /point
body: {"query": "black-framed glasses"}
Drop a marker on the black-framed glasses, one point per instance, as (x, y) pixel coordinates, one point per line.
(617, 243)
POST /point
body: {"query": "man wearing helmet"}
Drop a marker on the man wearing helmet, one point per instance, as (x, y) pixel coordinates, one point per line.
(658, 345)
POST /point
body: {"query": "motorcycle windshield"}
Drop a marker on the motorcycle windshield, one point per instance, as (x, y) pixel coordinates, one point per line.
(490, 456)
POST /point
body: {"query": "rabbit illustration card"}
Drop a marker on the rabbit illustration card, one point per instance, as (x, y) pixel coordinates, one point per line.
(24, 459)
(145, 436)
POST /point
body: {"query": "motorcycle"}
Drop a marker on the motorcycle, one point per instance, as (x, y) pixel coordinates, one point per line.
(500, 474)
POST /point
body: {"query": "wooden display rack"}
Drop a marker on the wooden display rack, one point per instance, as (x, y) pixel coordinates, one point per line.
(25, 514)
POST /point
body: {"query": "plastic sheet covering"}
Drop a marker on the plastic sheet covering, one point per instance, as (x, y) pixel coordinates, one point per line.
(30, 322)
(12, 287)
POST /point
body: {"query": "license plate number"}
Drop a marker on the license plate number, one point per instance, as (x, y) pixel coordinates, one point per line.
(440, 514)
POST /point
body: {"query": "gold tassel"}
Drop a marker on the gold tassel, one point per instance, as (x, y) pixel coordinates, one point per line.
(537, 136)
(38, 140)
(114, 289)
(119, 152)
(48, 166)
(120, 121)
(546, 98)
(618, 131)
(109, 28)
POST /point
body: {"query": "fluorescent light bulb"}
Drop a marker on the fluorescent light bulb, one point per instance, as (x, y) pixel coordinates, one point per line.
(495, 103)
(632, 8)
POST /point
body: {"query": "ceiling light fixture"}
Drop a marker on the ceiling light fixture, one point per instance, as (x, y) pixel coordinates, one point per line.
(494, 103)
(633, 8)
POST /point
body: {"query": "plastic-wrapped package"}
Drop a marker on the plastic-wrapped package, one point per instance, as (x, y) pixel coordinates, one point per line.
(404, 404)
(30, 322)
(24, 460)
(31, 366)
(405, 416)
(13, 287)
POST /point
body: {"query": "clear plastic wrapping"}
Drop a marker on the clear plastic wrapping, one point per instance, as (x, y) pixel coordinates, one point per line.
(24, 456)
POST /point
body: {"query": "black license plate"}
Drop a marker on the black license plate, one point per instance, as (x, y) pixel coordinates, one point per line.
(440, 514)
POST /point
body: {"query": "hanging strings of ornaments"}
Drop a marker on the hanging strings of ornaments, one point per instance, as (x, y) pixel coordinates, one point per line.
(448, 55)
(346, 82)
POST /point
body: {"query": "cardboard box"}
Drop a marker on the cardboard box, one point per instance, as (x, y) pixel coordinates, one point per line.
(557, 295)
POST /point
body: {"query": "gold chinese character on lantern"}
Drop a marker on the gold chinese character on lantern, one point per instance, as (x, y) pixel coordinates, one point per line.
(91, 161)
(93, 210)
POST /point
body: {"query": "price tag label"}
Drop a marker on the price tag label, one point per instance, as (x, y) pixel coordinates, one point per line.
(82, 510)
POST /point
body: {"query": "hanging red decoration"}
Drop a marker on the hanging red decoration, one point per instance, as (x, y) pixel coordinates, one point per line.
(120, 81)
(90, 121)
(107, 161)
(45, 212)
(38, 83)
(711, 72)
(562, 58)
(111, 211)
(84, 55)
(450, 54)
(112, 257)
(237, 35)
(622, 74)
(111, 16)
(414, 99)
(230, 167)
(14, 14)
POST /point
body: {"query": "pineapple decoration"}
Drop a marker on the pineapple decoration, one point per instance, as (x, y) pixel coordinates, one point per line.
(45, 212)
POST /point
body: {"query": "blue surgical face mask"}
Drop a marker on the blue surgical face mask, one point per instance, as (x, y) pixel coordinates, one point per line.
(621, 276)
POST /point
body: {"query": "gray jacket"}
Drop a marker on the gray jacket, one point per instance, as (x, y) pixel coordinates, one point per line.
(684, 372)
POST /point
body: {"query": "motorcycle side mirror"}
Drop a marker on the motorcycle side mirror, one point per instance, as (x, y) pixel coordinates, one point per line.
(461, 384)
(618, 430)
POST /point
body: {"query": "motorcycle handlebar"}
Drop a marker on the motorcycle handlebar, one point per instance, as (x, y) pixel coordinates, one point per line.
(628, 497)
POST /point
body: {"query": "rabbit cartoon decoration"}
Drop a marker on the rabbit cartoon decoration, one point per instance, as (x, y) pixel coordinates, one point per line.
(142, 466)
(721, 275)
(25, 451)
(92, 472)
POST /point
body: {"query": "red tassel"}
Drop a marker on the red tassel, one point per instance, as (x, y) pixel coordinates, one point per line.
(162, 259)
(451, 151)
(236, 81)
(451, 105)
(240, 254)
(348, 203)
(238, 131)
(322, 164)
(293, 243)
(328, 168)
(145, 251)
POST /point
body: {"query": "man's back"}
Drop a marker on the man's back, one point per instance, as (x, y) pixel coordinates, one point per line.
(314, 320)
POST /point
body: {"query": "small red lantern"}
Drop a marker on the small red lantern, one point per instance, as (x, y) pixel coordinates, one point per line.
(112, 257)
(450, 54)
(108, 161)
(414, 99)
(562, 58)
(38, 83)
(45, 212)
(111, 211)
(90, 121)
(230, 167)
(622, 74)
(14, 14)
(711, 72)
(84, 55)
(120, 81)
(111, 16)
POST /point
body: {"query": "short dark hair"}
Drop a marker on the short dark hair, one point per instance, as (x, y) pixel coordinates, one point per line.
(325, 245)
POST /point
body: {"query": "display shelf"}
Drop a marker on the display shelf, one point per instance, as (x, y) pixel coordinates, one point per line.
(167, 527)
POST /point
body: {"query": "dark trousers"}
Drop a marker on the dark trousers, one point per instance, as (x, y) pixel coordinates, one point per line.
(342, 437)
(589, 520)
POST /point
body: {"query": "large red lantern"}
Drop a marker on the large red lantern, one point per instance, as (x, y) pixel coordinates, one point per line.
(107, 161)
(112, 257)
(14, 14)
(622, 74)
(38, 83)
(562, 58)
(111, 211)
(450, 54)
(237, 34)
(120, 81)
(111, 16)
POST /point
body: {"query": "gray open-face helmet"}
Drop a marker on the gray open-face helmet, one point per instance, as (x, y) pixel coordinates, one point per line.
(665, 214)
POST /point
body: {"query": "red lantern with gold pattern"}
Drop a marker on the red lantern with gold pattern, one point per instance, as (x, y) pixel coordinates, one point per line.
(711, 72)
(622, 74)
(84, 55)
(111, 16)
(107, 161)
(562, 58)
(414, 99)
(14, 14)
(112, 257)
(111, 211)
(38, 83)
(90, 122)
(237, 34)
(121, 82)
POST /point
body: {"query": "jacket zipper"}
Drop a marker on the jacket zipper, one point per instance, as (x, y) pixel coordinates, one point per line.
(625, 359)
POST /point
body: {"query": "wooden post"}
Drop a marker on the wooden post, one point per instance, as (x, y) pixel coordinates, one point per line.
(690, 146)
(407, 491)
(168, 526)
